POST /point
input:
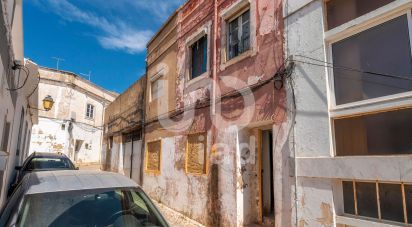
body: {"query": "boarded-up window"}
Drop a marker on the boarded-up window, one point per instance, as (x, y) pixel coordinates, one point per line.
(196, 154)
(154, 150)
(156, 88)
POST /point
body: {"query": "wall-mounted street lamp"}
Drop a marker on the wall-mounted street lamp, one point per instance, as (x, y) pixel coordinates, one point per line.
(48, 103)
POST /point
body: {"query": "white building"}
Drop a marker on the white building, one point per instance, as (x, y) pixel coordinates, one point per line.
(74, 125)
(353, 134)
(18, 94)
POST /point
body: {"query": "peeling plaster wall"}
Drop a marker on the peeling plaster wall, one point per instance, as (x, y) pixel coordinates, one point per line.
(185, 193)
(229, 192)
(311, 140)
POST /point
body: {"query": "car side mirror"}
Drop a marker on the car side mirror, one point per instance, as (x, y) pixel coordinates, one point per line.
(18, 167)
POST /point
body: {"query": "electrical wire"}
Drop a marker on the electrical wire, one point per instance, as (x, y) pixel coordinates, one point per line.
(27, 71)
(331, 65)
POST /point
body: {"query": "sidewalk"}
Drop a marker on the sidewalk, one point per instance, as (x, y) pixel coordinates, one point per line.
(175, 218)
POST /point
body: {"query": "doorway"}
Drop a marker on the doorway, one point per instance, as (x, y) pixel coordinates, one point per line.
(267, 182)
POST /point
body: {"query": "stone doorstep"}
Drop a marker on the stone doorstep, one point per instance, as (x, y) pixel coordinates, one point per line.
(174, 218)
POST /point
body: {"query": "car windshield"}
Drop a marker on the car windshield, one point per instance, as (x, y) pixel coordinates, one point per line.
(108, 208)
(44, 163)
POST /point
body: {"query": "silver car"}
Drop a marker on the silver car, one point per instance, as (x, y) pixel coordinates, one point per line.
(79, 198)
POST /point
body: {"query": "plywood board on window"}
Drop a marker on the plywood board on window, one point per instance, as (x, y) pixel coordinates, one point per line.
(196, 155)
(153, 156)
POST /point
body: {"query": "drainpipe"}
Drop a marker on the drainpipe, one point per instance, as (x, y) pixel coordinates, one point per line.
(102, 135)
(143, 124)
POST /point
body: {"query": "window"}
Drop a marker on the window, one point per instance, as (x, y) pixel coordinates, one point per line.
(383, 49)
(110, 142)
(199, 57)
(239, 35)
(90, 111)
(383, 201)
(153, 156)
(374, 134)
(5, 139)
(342, 11)
(156, 88)
(196, 154)
(63, 126)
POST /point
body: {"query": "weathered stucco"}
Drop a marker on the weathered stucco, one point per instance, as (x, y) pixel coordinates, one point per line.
(60, 128)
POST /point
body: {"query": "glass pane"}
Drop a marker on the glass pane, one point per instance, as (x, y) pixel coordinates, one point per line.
(391, 202)
(382, 49)
(233, 38)
(342, 11)
(366, 197)
(199, 57)
(376, 134)
(408, 198)
(348, 197)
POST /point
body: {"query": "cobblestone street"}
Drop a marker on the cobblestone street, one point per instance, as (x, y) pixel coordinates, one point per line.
(176, 219)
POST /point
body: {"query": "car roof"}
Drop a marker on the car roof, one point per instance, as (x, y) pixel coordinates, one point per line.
(48, 155)
(73, 180)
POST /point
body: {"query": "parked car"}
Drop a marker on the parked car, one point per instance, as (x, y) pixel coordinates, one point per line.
(79, 198)
(41, 161)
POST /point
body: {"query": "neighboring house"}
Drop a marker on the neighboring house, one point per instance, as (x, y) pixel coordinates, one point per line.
(352, 138)
(74, 126)
(18, 94)
(214, 114)
(123, 132)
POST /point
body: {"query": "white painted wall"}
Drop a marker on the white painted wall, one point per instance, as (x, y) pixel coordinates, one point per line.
(71, 95)
(318, 172)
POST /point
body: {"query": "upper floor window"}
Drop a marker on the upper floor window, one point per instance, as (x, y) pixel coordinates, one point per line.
(90, 111)
(341, 11)
(199, 57)
(373, 63)
(238, 35)
(156, 88)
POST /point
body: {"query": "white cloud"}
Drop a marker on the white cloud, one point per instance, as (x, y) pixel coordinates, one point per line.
(116, 34)
(159, 8)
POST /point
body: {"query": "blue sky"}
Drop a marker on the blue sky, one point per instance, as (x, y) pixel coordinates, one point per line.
(106, 37)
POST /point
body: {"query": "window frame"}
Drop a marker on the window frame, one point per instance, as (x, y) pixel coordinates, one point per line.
(348, 29)
(227, 22)
(204, 30)
(156, 77)
(356, 217)
(92, 111)
(146, 170)
(206, 156)
(229, 14)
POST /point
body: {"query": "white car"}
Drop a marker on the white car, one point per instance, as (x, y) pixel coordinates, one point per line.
(79, 198)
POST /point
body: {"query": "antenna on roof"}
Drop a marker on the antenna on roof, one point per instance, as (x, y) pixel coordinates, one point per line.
(58, 61)
(87, 75)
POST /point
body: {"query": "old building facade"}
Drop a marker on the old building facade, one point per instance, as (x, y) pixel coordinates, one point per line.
(74, 126)
(18, 94)
(352, 88)
(215, 112)
(123, 132)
